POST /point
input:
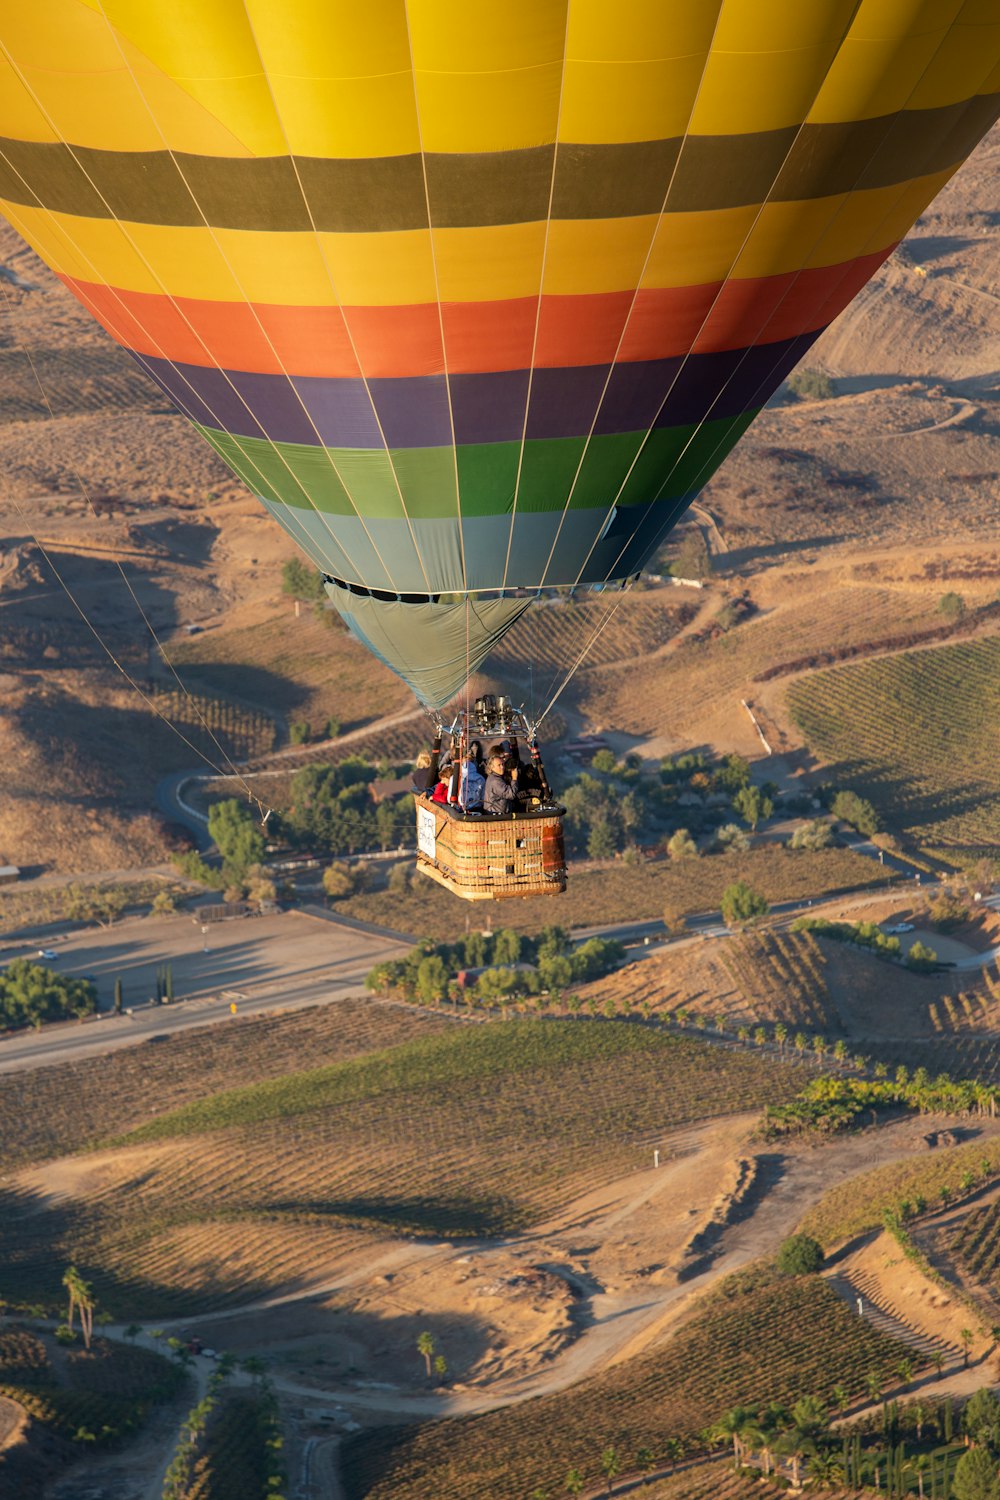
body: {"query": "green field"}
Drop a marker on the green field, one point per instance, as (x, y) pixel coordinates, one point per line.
(480, 1129)
(917, 734)
(624, 893)
(758, 1338)
(48, 1112)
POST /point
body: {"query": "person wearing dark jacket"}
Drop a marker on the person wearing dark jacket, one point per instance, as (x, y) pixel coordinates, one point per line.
(500, 797)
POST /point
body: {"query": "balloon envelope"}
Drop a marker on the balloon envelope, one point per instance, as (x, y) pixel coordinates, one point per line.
(476, 298)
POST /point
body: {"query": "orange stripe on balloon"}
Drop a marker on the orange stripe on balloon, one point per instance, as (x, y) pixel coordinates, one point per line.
(396, 342)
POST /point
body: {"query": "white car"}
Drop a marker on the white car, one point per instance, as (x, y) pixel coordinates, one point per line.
(899, 927)
(47, 953)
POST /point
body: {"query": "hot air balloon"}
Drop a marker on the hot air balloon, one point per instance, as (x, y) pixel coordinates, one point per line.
(477, 296)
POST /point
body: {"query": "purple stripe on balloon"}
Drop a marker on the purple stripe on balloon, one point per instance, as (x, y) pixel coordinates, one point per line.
(489, 408)
(413, 412)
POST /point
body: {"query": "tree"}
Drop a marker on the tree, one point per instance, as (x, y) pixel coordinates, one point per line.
(338, 881)
(975, 1476)
(426, 1347)
(951, 605)
(574, 1482)
(966, 1335)
(432, 979)
(163, 905)
(602, 842)
(300, 732)
(921, 957)
(682, 846)
(858, 811)
(693, 559)
(610, 1466)
(81, 1299)
(742, 905)
(730, 1428)
(302, 582)
(645, 1460)
(800, 1255)
(119, 999)
(236, 836)
(440, 1367)
(753, 805)
(981, 1418)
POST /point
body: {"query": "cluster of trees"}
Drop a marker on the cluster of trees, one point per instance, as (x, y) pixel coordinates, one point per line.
(832, 1104)
(850, 808)
(331, 809)
(31, 994)
(890, 1450)
(513, 965)
(608, 805)
(869, 935)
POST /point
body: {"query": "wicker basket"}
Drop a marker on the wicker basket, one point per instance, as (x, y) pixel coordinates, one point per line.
(483, 858)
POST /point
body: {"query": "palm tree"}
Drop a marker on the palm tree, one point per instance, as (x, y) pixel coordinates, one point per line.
(825, 1469)
(729, 1428)
(673, 1451)
(937, 1360)
(874, 1383)
(425, 1346)
(839, 1398)
(773, 1421)
(905, 1370)
(81, 1298)
(781, 1036)
(610, 1466)
(574, 1482)
(966, 1335)
(921, 1463)
(645, 1460)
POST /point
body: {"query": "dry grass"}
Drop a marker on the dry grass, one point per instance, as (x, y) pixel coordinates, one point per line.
(623, 893)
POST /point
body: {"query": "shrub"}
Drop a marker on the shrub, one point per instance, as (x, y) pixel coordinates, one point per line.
(815, 835)
(332, 728)
(604, 760)
(800, 1255)
(742, 905)
(921, 958)
(682, 846)
(952, 606)
(811, 385)
(299, 732)
(400, 879)
(732, 837)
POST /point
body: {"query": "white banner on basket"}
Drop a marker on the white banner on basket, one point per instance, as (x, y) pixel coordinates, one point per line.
(426, 826)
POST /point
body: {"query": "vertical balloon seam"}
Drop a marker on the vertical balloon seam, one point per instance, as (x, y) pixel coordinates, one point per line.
(538, 300)
(113, 32)
(31, 93)
(338, 302)
(746, 238)
(874, 236)
(437, 289)
(635, 293)
(85, 492)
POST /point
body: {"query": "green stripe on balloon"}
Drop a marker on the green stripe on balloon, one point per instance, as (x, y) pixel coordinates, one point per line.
(420, 482)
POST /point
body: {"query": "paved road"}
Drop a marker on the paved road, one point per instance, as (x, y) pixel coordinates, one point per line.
(280, 962)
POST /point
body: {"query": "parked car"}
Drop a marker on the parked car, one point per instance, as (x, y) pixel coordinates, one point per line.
(47, 953)
(899, 927)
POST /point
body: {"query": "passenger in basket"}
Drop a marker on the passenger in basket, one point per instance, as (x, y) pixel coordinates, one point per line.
(420, 777)
(442, 791)
(472, 783)
(501, 796)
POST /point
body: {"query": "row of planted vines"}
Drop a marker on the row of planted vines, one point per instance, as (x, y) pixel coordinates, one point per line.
(917, 734)
(779, 976)
(760, 1337)
(470, 1131)
(241, 732)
